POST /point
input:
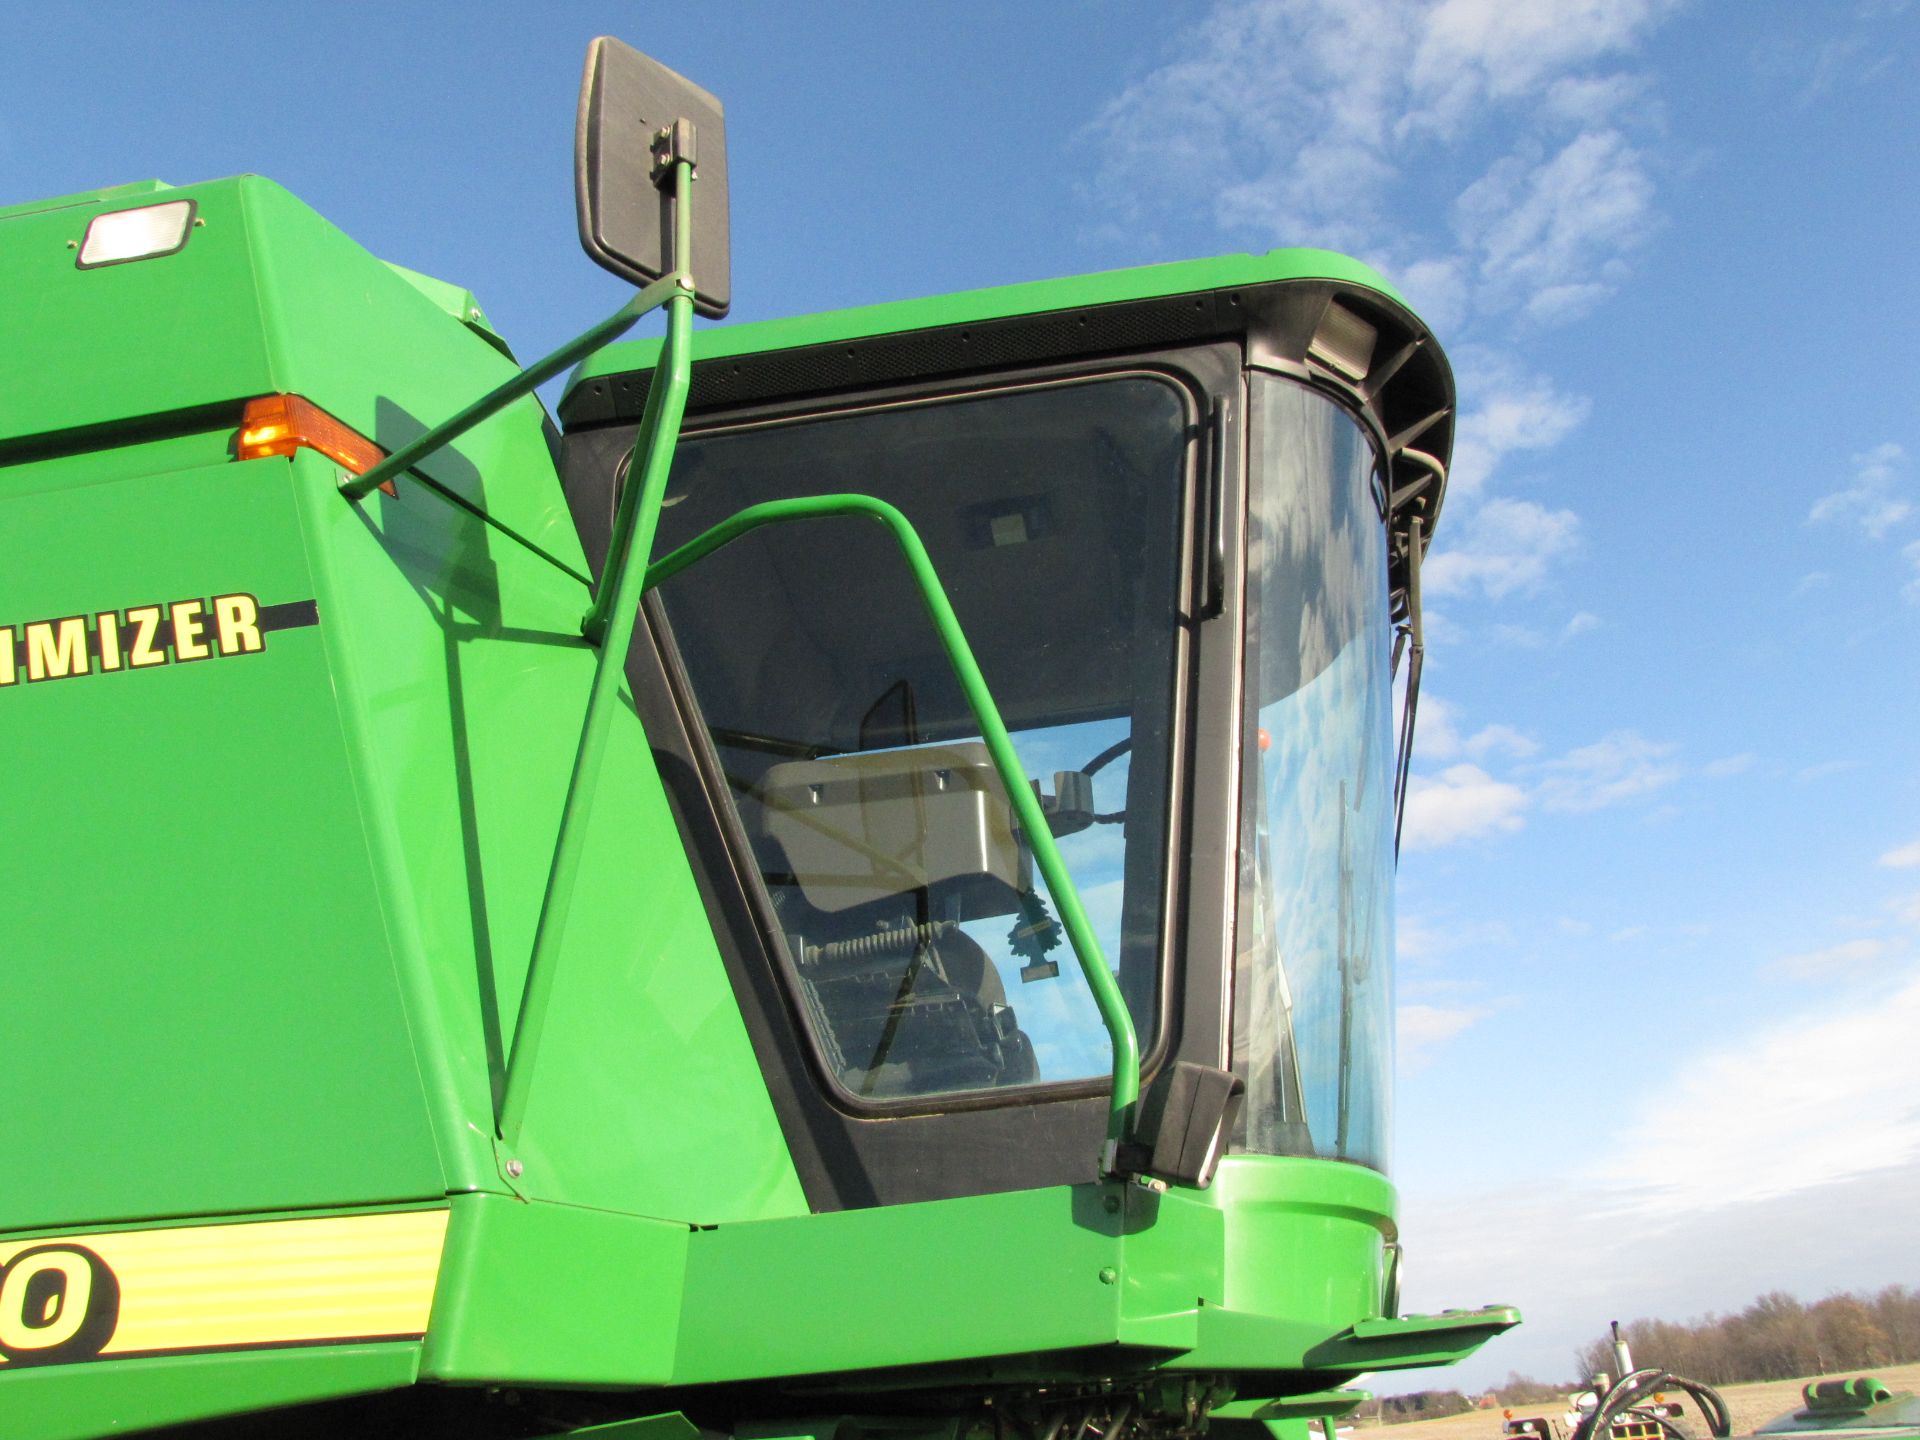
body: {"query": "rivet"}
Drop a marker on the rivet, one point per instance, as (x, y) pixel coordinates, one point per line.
(1108, 1275)
(514, 1169)
(1112, 1202)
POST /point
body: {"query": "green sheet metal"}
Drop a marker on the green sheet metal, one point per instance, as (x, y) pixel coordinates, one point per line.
(555, 1295)
(216, 1026)
(291, 895)
(76, 1402)
(1251, 1276)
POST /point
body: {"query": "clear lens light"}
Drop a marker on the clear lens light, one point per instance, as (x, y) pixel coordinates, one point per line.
(136, 234)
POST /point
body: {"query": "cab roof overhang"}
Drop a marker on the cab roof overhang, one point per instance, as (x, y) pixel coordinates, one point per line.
(1319, 316)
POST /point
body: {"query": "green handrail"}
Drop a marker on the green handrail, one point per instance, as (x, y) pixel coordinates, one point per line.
(1073, 916)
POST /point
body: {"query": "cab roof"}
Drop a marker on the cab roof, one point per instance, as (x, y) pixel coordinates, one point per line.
(1314, 314)
(1108, 287)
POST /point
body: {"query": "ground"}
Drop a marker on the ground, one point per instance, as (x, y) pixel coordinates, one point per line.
(1751, 1406)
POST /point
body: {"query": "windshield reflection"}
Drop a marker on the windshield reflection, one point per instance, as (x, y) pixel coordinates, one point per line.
(1313, 985)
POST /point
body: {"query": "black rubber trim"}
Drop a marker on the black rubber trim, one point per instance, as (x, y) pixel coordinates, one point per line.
(1086, 334)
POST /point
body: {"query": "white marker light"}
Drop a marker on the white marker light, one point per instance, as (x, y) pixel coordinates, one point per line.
(136, 234)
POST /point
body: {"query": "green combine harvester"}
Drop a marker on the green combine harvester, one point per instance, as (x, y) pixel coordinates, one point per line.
(845, 891)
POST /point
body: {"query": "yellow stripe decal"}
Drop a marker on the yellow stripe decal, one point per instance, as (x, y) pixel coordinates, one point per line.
(214, 1287)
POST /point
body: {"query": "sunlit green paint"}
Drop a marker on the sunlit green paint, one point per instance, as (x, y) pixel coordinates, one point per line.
(986, 714)
(1184, 277)
(1253, 1277)
(155, 1057)
(288, 897)
(555, 1295)
(112, 1397)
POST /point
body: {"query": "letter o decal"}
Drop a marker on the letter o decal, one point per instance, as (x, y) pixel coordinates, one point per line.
(57, 1302)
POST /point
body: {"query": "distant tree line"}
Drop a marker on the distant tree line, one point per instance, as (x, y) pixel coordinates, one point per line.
(1774, 1338)
(1516, 1389)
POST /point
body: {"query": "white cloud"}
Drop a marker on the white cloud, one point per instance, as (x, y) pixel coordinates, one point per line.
(1548, 230)
(1437, 735)
(1504, 547)
(1502, 740)
(1509, 1243)
(1474, 51)
(1514, 411)
(1850, 60)
(1422, 940)
(1810, 773)
(1787, 1157)
(1436, 732)
(1423, 1029)
(1309, 121)
(1810, 1101)
(1521, 637)
(1594, 100)
(1580, 624)
(1462, 802)
(1617, 767)
(1835, 961)
(1868, 498)
(1466, 802)
(1902, 857)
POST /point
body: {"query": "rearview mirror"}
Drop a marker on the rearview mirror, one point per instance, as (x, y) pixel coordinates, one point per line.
(626, 209)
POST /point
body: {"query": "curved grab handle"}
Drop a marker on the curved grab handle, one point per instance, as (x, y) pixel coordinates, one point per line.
(1106, 993)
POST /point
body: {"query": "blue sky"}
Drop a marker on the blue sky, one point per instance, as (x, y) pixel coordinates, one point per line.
(1660, 985)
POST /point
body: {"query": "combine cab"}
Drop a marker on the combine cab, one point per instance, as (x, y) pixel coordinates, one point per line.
(848, 893)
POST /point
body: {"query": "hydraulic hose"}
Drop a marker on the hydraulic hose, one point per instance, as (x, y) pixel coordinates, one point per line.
(1633, 1389)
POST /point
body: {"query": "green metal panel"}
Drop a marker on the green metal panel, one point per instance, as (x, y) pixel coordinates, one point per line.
(206, 1015)
(110, 1397)
(554, 1294)
(460, 659)
(379, 792)
(360, 341)
(903, 1285)
(1033, 298)
(1272, 1265)
(126, 193)
(1305, 1249)
(92, 347)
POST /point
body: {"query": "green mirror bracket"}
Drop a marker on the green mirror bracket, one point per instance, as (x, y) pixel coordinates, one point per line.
(1073, 917)
(609, 623)
(1407, 1342)
(638, 516)
(661, 292)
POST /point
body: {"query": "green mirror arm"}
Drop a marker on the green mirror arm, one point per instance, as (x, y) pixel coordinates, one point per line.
(618, 600)
(660, 292)
(652, 446)
(1073, 916)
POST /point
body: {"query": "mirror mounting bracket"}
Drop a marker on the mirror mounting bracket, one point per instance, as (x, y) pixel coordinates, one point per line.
(672, 145)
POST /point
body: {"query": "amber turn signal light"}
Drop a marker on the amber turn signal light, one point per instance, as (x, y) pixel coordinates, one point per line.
(282, 424)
